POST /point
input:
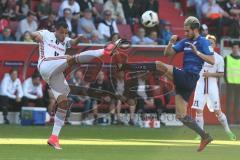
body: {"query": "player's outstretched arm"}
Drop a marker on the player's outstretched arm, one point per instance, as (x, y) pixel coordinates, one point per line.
(36, 36)
(78, 39)
(169, 51)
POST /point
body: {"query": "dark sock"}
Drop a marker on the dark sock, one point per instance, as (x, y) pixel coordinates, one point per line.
(151, 66)
(191, 123)
(112, 118)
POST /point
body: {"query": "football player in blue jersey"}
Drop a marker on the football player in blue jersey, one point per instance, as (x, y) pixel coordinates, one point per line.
(197, 50)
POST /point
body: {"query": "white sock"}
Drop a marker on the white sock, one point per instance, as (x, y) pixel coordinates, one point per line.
(87, 56)
(199, 120)
(59, 121)
(223, 120)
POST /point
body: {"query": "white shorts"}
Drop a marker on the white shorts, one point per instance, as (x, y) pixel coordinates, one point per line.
(51, 70)
(211, 99)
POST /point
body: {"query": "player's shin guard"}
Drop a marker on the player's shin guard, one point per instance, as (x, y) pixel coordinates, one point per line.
(191, 123)
(59, 121)
(223, 120)
(151, 66)
(199, 120)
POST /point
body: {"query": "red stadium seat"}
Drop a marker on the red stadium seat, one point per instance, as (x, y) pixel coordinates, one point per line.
(34, 5)
(125, 31)
(56, 5)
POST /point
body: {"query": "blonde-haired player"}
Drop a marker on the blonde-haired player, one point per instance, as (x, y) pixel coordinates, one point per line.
(207, 91)
(53, 62)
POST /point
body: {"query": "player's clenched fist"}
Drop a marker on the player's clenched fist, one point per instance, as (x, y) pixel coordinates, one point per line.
(173, 39)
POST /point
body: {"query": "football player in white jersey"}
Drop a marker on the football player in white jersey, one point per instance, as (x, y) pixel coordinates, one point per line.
(53, 62)
(207, 91)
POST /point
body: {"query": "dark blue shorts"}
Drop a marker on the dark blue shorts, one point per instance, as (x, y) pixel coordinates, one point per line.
(185, 82)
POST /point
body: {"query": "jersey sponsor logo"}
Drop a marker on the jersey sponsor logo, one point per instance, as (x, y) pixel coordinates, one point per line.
(56, 47)
(187, 49)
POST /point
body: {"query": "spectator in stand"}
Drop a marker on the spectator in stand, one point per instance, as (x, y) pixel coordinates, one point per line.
(108, 26)
(5, 10)
(33, 91)
(3, 23)
(73, 5)
(49, 23)
(44, 8)
(117, 10)
(140, 38)
(11, 93)
(67, 17)
(102, 85)
(154, 36)
(126, 96)
(26, 37)
(204, 30)
(152, 5)
(232, 7)
(27, 24)
(166, 33)
(88, 4)
(86, 25)
(6, 35)
(131, 11)
(77, 80)
(216, 16)
(197, 5)
(232, 79)
(144, 94)
(22, 9)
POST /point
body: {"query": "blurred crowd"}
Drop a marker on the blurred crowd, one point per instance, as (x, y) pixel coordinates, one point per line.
(221, 16)
(97, 20)
(143, 93)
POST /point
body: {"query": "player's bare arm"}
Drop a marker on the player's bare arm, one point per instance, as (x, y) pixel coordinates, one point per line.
(169, 50)
(77, 40)
(209, 59)
(36, 36)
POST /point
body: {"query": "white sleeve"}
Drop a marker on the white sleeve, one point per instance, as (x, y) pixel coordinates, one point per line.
(43, 33)
(19, 89)
(220, 65)
(101, 29)
(60, 11)
(39, 91)
(77, 8)
(4, 85)
(26, 85)
(115, 27)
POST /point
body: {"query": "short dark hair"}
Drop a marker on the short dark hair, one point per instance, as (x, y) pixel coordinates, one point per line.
(61, 24)
(13, 69)
(234, 43)
(31, 13)
(36, 75)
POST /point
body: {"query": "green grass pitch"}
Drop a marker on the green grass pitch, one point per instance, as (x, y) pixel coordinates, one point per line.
(114, 143)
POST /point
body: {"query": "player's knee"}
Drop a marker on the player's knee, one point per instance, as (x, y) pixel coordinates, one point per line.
(161, 67)
(199, 112)
(180, 116)
(63, 102)
(217, 112)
